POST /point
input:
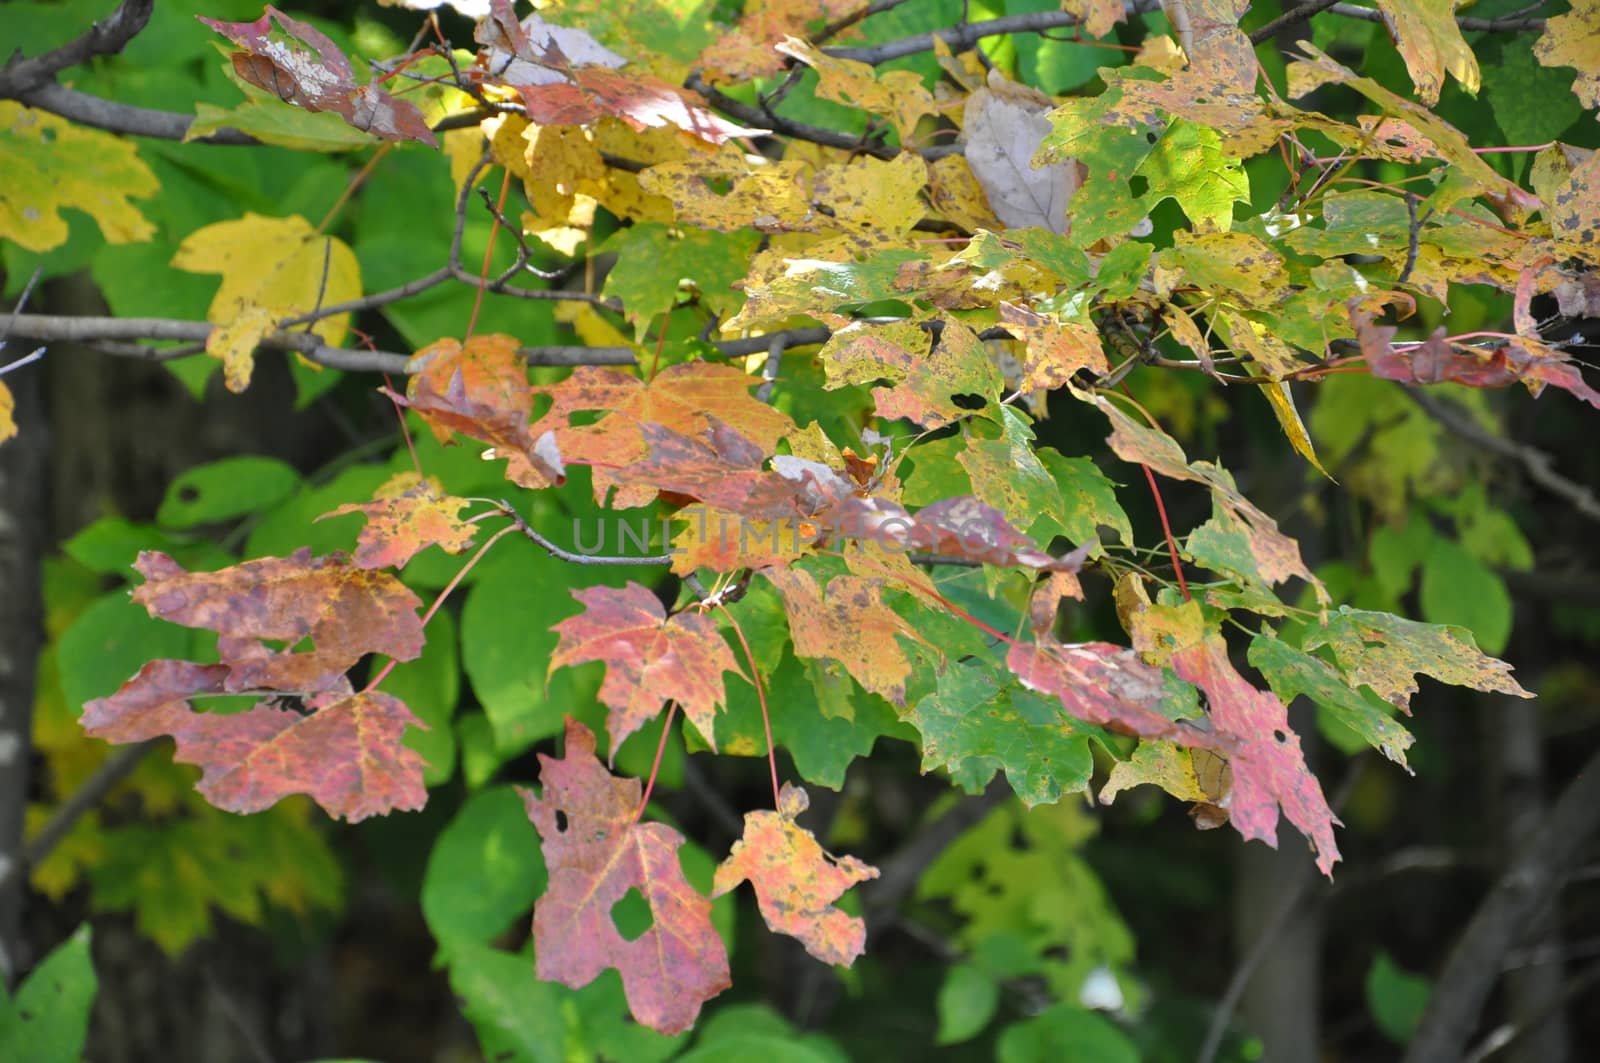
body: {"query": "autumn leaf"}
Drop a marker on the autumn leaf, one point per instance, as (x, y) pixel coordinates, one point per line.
(650, 658)
(345, 611)
(597, 853)
(850, 624)
(1387, 653)
(1430, 42)
(796, 882)
(272, 268)
(1108, 686)
(346, 754)
(750, 50)
(898, 95)
(8, 408)
(1436, 361)
(1004, 125)
(1290, 673)
(567, 78)
(407, 515)
(48, 165)
(1269, 769)
(480, 389)
(304, 67)
(1573, 40)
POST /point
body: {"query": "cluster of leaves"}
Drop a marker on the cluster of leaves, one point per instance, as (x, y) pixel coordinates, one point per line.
(861, 511)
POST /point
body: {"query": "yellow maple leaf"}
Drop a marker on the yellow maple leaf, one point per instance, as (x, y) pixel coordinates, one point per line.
(1573, 40)
(47, 164)
(272, 269)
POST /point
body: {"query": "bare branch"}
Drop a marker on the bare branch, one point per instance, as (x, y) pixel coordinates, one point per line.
(1539, 465)
(968, 34)
(97, 113)
(106, 37)
(1506, 22)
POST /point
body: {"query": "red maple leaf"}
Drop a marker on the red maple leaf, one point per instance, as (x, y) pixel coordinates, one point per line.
(346, 612)
(1269, 769)
(796, 882)
(347, 754)
(310, 71)
(480, 389)
(1437, 361)
(1108, 686)
(597, 853)
(650, 658)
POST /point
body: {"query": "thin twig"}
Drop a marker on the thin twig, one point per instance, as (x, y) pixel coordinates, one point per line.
(1290, 18)
(577, 559)
(1505, 22)
(106, 37)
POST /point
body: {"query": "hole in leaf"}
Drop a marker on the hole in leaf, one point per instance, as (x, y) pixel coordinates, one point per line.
(1279, 737)
(631, 915)
(188, 493)
(1138, 186)
(561, 821)
(969, 402)
(1150, 137)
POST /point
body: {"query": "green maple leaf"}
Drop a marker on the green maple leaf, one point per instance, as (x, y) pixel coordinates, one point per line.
(1188, 165)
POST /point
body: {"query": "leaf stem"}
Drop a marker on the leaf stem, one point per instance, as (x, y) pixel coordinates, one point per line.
(761, 696)
(655, 765)
(488, 252)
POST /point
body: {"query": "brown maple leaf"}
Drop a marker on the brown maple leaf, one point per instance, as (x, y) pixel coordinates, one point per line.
(650, 658)
(480, 389)
(796, 882)
(596, 853)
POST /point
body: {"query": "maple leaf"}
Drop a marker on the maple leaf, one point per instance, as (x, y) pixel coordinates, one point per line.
(796, 881)
(1387, 652)
(1277, 556)
(346, 612)
(271, 268)
(310, 71)
(1430, 42)
(596, 853)
(1437, 361)
(566, 77)
(347, 754)
(1573, 40)
(407, 515)
(1290, 672)
(751, 49)
(48, 164)
(650, 658)
(684, 400)
(480, 389)
(899, 95)
(1108, 686)
(849, 624)
(1269, 769)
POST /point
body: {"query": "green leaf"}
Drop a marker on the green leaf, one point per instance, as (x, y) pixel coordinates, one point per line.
(968, 1000)
(111, 544)
(974, 727)
(1104, 205)
(1459, 589)
(741, 1048)
(1291, 673)
(1517, 78)
(517, 1017)
(654, 262)
(1188, 165)
(226, 489)
(48, 1021)
(1064, 1032)
(1396, 998)
(1089, 498)
(484, 871)
(1007, 474)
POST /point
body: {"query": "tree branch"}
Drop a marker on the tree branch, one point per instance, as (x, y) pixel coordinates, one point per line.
(106, 37)
(968, 34)
(1290, 18)
(1505, 22)
(1458, 997)
(121, 330)
(1539, 465)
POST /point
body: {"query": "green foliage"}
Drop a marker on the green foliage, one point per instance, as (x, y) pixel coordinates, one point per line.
(48, 1020)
